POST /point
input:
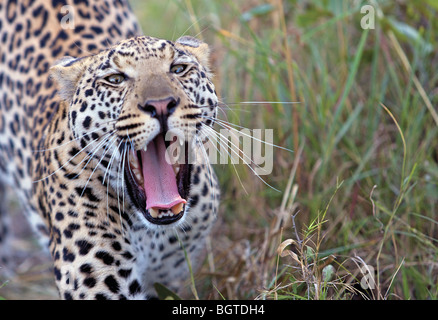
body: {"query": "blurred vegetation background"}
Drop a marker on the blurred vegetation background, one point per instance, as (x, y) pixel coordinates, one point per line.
(357, 197)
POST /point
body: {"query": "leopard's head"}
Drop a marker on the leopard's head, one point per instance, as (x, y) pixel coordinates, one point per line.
(139, 109)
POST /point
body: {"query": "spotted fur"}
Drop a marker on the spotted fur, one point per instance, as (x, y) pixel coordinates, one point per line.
(66, 135)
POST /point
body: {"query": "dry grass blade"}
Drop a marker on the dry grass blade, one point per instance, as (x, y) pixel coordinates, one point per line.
(283, 252)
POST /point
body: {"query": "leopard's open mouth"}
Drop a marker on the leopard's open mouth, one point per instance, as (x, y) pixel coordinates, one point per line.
(158, 189)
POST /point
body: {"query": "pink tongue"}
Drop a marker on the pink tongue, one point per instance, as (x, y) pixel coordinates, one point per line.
(159, 178)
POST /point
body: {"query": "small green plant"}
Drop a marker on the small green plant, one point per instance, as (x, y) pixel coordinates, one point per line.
(312, 274)
(1, 286)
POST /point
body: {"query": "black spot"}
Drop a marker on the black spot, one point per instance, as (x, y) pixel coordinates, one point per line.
(71, 176)
(83, 106)
(86, 268)
(78, 2)
(112, 284)
(91, 47)
(90, 282)
(67, 255)
(84, 247)
(11, 18)
(67, 296)
(97, 29)
(44, 40)
(178, 263)
(72, 214)
(68, 234)
(116, 246)
(196, 179)
(125, 273)
(87, 192)
(74, 226)
(101, 296)
(57, 273)
(89, 92)
(194, 201)
(134, 287)
(87, 122)
(127, 255)
(55, 52)
(105, 257)
(59, 216)
(73, 117)
(56, 3)
(205, 190)
(73, 152)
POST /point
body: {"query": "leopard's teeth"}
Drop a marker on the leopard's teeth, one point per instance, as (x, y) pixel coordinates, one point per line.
(133, 161)
(177, 208)
(175, 169)
(138, 175)
(153, 212)
(135, 168)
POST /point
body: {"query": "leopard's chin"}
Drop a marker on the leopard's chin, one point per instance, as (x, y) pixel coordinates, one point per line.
(159, 190)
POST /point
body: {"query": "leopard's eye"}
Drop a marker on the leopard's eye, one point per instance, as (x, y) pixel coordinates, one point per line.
(115, 78)
(178, 68)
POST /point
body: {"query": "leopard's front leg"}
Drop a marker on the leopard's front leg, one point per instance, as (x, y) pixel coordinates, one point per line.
(102, 269)
(89, 230)
(92, 253)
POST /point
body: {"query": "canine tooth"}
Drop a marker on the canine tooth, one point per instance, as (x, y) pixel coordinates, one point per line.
(177, 208)
(176, 169)
(134, 162)
(135, 165)
(153, 212)
(138, 176)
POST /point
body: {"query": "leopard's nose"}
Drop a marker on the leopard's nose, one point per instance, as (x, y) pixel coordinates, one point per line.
(160, 109)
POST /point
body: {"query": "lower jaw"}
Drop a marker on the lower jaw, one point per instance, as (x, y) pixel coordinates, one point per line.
(165, 220)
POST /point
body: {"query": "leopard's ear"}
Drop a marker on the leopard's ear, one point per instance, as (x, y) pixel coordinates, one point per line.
(196, 47)
(66, 73)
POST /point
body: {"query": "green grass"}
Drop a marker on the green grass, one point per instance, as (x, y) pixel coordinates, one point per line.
(366, 117)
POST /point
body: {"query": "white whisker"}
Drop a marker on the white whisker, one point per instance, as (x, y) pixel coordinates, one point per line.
(224, 125)
(123, 175)
(75, 139)
(110, 163)
(100, 161)
(118, 186)
(226, 141)
(68, 161)
(265, 102)
(91, 157)
(229, 154)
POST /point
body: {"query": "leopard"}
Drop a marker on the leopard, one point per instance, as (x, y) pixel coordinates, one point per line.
(101, 141)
